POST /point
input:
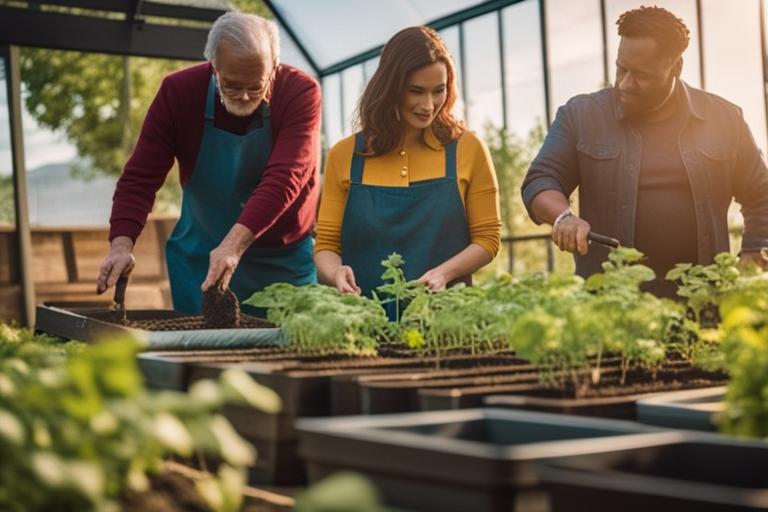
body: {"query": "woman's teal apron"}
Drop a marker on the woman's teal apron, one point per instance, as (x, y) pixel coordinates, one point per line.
(228, 169)
(425, 223)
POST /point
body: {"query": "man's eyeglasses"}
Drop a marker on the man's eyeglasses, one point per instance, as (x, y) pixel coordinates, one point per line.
(235, 90)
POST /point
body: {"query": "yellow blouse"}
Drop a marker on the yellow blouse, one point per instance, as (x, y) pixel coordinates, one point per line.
(420, 161)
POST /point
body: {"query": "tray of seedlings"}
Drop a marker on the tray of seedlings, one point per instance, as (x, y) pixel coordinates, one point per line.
(221, 324)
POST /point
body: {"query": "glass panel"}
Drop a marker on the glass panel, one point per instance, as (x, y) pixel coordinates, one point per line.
(314, 23)
(7, 208)
(290, 53)
(332, 125)
(352, 88)
(450, 36)
(523, 67)
(684, 9)
(730, 53)
(575, 49)
(369, 68)
(483, 72)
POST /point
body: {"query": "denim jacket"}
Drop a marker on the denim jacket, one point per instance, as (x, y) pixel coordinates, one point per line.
(591, 145)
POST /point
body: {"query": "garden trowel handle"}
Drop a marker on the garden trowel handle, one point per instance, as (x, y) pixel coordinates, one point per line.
(603, 240)
(120, 286)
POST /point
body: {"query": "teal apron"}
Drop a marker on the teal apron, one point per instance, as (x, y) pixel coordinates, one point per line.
(228, 169)
(425, 223)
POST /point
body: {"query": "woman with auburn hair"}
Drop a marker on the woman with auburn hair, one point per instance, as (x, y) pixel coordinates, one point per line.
(413, 180)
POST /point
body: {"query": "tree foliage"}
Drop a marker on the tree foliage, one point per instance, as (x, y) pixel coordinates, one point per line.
(98, 101)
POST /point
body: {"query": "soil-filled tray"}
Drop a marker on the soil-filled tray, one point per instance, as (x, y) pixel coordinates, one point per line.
(161, 329)
(359, 394)
(702, 473)
(398, 392)
(694, 409)
(303, 384)
(478, 460)
(610, 399)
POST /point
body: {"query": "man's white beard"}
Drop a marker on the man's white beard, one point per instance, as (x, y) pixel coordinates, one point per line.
(238, 108)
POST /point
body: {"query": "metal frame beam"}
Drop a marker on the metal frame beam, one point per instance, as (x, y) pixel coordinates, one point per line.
(764, 53)
(503, 68)
(699, 28)
(545, 60)
(140, 8)
(296, 40)
(13, 87)
(101, 35)
(438, 24)
(604, 39)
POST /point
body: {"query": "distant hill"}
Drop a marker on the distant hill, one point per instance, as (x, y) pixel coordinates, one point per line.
(58, 198)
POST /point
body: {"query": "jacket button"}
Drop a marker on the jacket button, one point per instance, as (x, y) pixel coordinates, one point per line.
(404, 172)
(402, 152)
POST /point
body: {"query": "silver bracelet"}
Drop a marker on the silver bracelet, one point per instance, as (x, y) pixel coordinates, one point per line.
(566, 213)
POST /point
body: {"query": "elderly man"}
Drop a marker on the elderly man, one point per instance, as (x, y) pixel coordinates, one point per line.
(243, 129)
(657, 162)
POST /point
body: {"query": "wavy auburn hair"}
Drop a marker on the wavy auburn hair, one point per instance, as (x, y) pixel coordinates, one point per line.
(408, 50)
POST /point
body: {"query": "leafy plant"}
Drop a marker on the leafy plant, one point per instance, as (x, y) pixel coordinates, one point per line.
(570, 334)
(745, 357)
(398, 290)
(702, 285)
(78, 429)
(317, 319)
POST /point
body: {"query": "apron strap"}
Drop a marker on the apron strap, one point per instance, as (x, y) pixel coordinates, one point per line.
(263, 119)
(210, 100)
(450, 159)
(356, 172)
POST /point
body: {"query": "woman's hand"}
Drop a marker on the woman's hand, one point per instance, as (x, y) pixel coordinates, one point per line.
(344, 280)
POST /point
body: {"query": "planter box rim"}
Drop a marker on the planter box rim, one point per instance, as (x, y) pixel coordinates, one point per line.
(678, 398)
(563, 471)
(374, 429)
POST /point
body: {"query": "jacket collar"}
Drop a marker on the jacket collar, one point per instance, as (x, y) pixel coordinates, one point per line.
(692, 103)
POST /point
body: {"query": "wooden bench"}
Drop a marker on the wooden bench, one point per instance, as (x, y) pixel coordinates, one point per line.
(65, 262)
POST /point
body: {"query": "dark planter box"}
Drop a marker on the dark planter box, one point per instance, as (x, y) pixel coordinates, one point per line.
(704, 473)
(619, 403)
(398, 392)
(470, 460)
(693, 409)
(93, 325)
(304, 387)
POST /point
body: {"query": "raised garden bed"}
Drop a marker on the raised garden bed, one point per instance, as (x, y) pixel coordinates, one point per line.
(162, 329)
(478, 460)
(304, 387)
(608, 400)
(395, 391)
(698, 474)
(693, 409)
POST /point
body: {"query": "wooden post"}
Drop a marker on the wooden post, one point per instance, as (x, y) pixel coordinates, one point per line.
(13, 84)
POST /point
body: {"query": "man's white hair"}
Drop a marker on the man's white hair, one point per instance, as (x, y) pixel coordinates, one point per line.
(247, 34)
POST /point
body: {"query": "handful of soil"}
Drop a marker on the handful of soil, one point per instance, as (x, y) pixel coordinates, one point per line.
(221, 309)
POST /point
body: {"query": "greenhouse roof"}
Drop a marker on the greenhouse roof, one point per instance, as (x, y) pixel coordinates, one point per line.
(325, 36)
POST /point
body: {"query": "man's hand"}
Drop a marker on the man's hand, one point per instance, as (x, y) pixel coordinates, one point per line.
(750, 258)
(223, 260)
(434, 279)
(344, 280)
(571, 233)
(119, 262)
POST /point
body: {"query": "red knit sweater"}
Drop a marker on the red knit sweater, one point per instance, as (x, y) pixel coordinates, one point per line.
(281, 209)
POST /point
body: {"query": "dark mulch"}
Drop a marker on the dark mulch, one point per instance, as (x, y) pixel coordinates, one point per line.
(190, 323)
(170, 492)
(221, 309)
